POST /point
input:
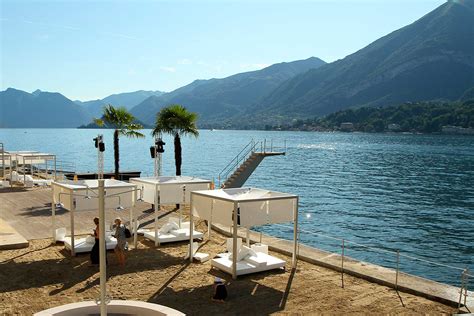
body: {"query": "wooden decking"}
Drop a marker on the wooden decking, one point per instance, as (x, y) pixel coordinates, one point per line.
(28, 211)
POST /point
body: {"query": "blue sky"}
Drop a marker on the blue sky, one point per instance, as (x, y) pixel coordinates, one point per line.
(91, 49)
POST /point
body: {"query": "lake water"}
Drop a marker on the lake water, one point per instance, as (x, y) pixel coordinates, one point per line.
(409, 192)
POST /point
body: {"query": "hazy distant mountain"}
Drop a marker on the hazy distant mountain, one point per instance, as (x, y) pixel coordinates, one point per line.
(433, 58)
(39, 109)
(223, 98)
(127, 99)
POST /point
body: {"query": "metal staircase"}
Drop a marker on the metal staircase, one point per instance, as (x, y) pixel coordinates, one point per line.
(239, 169)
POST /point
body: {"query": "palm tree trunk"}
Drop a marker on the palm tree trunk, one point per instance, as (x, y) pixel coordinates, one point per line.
(177, 154)
(116, 154)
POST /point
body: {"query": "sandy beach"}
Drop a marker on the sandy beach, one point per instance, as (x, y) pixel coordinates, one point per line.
(45, 275)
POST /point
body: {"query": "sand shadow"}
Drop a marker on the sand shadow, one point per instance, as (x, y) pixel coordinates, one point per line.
(243, 297)
(44, 211)
(13, 190)
(171, 279)
(69, 271)
(287, 289)
(26, 253)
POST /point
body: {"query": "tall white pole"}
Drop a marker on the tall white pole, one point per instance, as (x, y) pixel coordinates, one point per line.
(157, 207)
(135, 221)
(73, 244)
(234, 242)
(295, 232)
(191, 229)
(102, 254)
(182, 205)
(53, 211)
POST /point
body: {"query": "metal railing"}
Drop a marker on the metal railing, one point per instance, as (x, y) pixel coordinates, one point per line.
(263, 146)
(2, 157)
(396, 256)
(62, 167)
(237, 160)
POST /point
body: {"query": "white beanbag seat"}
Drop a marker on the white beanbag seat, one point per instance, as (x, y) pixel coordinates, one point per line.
(166, 228)
(179, 232)
(230, 244)
(257, 260)
(260, 248)
(244, 251)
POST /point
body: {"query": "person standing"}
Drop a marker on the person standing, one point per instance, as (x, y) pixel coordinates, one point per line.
(95, 249)
(121, 241)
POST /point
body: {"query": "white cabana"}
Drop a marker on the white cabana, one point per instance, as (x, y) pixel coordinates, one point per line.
(245, 207)
(83, 195)
(31, 158)
(169, 190)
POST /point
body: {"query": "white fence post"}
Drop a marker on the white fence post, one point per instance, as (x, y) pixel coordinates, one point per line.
(342, 264)
(398, 266)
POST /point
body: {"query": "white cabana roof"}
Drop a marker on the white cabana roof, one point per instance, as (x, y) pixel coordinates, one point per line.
(170, 180)
(255, 206)
(169, 188)
(31, 157)
(92, 184)
(82, 195)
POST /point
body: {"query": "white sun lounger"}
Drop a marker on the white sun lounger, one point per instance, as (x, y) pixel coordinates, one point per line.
(252, 264)
(81, 245)
(172, 235)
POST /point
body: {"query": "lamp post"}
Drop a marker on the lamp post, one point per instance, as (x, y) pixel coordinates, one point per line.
(156, 151)
(100, 145)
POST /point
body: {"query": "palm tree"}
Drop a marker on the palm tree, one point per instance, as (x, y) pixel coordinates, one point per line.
(176, 121)
(124, 124)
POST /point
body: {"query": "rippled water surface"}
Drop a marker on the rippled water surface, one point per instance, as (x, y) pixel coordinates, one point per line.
(409, 192)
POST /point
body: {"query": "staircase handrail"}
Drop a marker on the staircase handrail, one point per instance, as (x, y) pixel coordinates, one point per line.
(249, 148)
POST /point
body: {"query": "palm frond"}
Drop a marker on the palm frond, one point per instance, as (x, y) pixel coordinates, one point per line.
(133, 134)
(99, 122)
(122, 120)
(176, 119)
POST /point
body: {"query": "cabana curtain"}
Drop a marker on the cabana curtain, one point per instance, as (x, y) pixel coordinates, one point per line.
(272, 209)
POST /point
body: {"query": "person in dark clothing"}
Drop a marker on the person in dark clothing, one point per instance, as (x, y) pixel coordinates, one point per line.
(95, 249)
(220, 290)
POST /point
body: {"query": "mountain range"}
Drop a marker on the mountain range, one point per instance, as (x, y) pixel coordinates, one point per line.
(430, 59)
(39, 109)
(226, 98)
(127, 99)
(51, 109)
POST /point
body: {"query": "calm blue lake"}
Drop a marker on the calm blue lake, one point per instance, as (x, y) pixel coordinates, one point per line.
(409, 192)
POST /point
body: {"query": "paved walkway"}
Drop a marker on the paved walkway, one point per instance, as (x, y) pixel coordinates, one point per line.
(28, 211)
(9, 237)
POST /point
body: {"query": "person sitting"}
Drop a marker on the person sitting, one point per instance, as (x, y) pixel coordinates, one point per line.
(220, 290)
